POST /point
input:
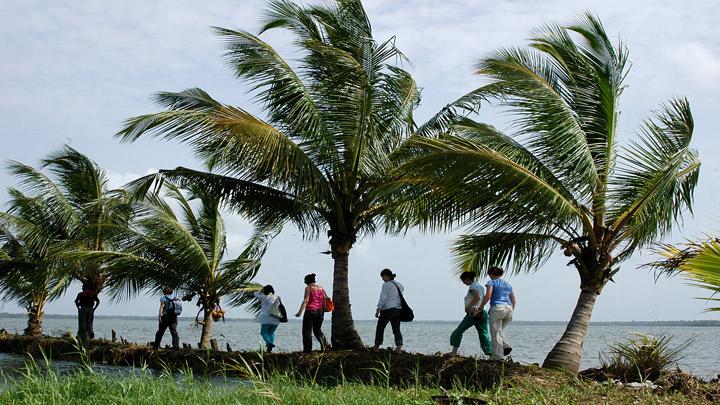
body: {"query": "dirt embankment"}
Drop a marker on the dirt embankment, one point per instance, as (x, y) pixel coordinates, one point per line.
(383, 367)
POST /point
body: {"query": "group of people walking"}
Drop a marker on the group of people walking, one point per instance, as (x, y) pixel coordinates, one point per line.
(489, 308)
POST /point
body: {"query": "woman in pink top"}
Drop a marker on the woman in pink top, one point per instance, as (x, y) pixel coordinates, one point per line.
(314, 306)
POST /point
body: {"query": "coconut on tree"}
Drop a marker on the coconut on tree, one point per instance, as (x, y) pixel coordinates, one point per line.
(560, 180)
(31, 272)
(76, 198)
(185, 251)
(332, 122)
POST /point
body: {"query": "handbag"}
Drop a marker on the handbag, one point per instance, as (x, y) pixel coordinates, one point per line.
(406, 313)
(329, 304)
(278, 311)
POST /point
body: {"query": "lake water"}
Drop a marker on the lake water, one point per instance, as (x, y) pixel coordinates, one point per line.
(530, 342)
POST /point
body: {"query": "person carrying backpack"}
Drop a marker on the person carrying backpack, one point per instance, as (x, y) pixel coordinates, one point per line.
(167, 317)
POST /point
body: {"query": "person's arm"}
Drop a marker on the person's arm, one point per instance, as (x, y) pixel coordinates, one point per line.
(97, 302)
(384, 294)
(512, 299)
(77, 301)
(162, 305)
(476, 298)
(306, 298)
(488, 295)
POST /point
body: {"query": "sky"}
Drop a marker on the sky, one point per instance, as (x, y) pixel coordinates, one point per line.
(72, 71)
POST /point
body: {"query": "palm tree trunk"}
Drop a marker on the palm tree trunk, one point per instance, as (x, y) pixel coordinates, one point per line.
(206, 329)
(34, 323)
(344, 334)
(567, 352)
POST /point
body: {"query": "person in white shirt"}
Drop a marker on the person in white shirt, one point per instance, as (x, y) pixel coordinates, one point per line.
(474, 315)
(268, 322)
(389, 309)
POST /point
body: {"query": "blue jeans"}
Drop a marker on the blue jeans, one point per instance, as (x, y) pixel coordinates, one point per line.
(267, 332)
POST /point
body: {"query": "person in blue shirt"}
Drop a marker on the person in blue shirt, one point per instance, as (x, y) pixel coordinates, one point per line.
(499, 293)
(474, 316)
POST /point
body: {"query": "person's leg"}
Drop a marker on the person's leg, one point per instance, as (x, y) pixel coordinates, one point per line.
(456, 336)
(173, 332)
(318, 317)
(271, 333)
(265, 333)
(307, 326)
(382, 322)
(505, 321)
(159, 335)
(481, 325)
(89, 324)
(395, 325)
(81, 333)
(496, 315)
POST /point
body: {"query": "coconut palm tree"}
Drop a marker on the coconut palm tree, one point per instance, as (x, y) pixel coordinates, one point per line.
(560, 180)
(77, 199)
(698, 261)
(185, 252)
(332, 121)
(30, 272)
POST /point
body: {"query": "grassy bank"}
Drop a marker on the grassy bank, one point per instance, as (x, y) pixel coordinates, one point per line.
(92, 388)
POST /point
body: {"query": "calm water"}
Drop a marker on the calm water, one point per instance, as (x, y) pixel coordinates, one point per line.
(531, 342)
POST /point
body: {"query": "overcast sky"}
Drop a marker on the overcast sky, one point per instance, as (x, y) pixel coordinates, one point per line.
(71, 72)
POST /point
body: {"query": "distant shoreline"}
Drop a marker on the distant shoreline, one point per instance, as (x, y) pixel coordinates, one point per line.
(695, 323)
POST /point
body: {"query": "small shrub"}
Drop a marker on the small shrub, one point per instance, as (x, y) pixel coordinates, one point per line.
(642, 358)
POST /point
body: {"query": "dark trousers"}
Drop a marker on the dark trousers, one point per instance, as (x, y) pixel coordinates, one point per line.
(391, 315)
(312, 325)
(86, 316)
(167, 322)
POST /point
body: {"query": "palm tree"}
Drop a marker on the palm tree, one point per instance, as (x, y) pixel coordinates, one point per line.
(30, 273)
(77, 200)
(332, 122)
(161, 249)
(698, 261)
(559, 180)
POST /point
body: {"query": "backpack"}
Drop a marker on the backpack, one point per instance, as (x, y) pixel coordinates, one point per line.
(172, 308)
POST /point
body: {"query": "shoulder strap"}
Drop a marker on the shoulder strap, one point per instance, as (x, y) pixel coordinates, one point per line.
(398, 289)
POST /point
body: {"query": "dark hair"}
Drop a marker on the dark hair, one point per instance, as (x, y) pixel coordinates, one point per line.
(268, 289)
(388, 273)
(310, 278)
(468, 275)
(495, 271)
(167, 290)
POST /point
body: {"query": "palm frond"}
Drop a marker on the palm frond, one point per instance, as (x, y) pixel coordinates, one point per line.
(521, 252)
(657, 176)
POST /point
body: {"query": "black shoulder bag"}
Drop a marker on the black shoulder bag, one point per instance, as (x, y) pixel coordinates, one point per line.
(406, 313)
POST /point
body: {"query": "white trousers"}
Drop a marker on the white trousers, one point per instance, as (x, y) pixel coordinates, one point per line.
(500, 317)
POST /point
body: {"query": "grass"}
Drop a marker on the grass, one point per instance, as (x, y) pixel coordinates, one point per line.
(88, 387)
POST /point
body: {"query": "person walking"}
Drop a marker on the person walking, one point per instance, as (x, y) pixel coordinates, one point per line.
(86, 302)
(474, 316)
(314, 307)
(501, 297)
(167, 319)
(268, 322)
(389, 309)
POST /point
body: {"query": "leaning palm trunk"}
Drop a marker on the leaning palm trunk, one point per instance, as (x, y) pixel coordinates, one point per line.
(567, 352)
(344, 334)
(206, 329)
(34, 322)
